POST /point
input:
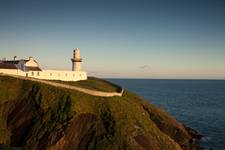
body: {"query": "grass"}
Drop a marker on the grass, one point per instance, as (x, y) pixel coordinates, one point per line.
(122, 117)
(94, 84)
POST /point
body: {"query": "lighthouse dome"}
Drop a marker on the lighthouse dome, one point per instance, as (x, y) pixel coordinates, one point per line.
(76, 53)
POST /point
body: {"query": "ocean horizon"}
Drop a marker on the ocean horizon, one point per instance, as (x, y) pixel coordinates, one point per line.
(197, 103)
(125, 78)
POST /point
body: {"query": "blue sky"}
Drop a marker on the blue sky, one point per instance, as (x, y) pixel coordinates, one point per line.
(128, 39)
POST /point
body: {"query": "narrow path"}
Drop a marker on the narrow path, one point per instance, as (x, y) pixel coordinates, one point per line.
(83, 90)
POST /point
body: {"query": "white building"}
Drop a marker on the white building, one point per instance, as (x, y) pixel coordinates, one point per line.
(31, 68)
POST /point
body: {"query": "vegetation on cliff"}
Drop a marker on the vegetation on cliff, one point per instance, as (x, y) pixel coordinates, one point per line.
(38, 116)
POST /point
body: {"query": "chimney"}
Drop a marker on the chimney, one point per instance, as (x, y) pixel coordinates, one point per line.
(31, 58)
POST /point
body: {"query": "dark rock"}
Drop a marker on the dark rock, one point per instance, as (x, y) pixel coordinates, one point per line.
(168, 125)
(147, 142)
(194, 134)
(79, 133)
(20, 121)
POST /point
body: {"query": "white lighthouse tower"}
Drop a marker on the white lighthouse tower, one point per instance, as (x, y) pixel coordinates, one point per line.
(76, 60)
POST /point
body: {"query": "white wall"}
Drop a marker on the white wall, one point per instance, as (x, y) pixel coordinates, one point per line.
(10, 71)
(77, 66)
(49, 74)
(58, 75)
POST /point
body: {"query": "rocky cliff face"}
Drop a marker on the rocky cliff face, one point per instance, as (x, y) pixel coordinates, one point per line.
(37, 116)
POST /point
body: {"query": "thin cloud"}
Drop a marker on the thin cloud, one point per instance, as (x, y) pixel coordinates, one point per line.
(144, 67)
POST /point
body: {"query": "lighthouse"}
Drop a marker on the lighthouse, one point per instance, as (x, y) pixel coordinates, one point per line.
(76, 60)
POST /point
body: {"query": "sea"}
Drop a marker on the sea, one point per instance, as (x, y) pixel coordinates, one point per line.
(199, 104)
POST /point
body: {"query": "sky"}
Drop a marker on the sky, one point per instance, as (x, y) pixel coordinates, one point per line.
(169, 39)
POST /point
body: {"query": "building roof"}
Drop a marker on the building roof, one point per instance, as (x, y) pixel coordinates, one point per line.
(33, 69)
(11, 61)
(17, 61)
(7, 66)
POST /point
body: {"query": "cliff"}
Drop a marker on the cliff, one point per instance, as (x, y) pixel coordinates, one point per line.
(35, 116)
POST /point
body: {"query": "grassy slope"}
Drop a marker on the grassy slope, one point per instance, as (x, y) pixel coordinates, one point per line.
(59, 105)
(94, 84)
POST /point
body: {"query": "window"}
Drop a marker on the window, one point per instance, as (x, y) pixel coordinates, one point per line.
(38, 74)
(66, 74)
(50, 74)
(32, 73)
